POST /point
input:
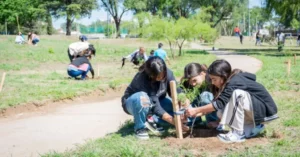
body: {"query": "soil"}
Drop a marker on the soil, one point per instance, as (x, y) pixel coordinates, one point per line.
(205, 141)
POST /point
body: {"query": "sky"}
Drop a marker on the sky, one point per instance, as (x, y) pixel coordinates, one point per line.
(102, 15)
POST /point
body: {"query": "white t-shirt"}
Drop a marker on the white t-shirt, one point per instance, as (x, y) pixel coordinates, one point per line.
(77, 47)
(19, 39)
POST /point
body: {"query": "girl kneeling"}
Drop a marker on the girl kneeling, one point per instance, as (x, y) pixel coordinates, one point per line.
(243, 103)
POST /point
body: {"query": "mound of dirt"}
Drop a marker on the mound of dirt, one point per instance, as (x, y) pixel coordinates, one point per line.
(205, 142)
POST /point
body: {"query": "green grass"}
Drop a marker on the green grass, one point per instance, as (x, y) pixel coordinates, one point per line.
(122, 143)
(38, 73)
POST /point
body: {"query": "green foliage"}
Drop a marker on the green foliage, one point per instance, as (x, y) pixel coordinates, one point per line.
(177, 32)
(50, 50)
(116, 9)
(288, 10)
(72, 9)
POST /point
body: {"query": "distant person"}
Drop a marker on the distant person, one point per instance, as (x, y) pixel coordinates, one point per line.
(80, 67)
(78, 49)
(241, 38)
(83, 38)
(151, 53)
(20, 39)
(298, 40)
(258, 38)
(136, 57)
(160, 52)
(33, 39)
(237, 31)
(281, 39)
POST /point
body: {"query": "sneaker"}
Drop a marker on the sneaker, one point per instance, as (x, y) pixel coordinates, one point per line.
(231, 137)
(142, 134)
(153, 127)
(255, 131)
(220, 128)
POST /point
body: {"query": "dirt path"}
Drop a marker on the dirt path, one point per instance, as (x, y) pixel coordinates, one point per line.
(72, 124)
(59, 130)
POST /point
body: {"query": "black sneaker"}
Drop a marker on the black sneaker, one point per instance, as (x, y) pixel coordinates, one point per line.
(142, 134)
(153, 127)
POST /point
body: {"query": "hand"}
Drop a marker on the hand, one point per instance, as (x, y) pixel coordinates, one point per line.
(185, 128)
(191, 112)
(186, 103)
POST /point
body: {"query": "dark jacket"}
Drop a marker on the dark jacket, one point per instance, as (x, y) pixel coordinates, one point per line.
(264, 107)
(154, 89)
(81, 60)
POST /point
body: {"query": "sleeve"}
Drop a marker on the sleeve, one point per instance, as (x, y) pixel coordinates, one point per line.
(226, 94)
(145, 57)
(130, 55)
(157, 109)
(92, 69)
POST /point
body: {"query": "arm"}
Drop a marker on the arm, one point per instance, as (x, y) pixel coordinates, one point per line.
(130, 55)
(92, 69)
(192, 112)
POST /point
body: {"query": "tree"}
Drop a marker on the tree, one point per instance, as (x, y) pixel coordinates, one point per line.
(116, 9)
(179, 31)
(20, 12)
(72, 9)
(220, 9)
(288, 10)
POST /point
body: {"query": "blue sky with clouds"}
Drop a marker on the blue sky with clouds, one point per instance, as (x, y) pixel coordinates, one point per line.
(102, 15)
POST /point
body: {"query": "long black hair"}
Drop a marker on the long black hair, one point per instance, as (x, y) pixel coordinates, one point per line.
(221, 68)
(191, 70)
(154, 66)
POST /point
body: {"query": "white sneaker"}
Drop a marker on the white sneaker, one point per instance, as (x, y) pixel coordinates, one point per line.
(255, 131)
(231, 137)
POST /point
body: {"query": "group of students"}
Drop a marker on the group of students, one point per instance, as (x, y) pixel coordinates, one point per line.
(32, 39)
(228, 97)
(80, 53)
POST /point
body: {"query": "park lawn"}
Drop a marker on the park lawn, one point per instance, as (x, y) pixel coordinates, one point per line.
(36, 74)
(282, 135)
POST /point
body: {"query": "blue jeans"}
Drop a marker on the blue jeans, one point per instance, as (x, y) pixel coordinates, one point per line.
(74, 73)
(206, 98)
(140, 111)
(137, 109)
(35, 41)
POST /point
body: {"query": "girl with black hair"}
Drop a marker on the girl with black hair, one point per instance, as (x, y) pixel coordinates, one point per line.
(147, 93)
(195, 79)
(242, 103)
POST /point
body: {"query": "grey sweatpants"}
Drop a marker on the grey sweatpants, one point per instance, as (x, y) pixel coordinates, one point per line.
(238, 113)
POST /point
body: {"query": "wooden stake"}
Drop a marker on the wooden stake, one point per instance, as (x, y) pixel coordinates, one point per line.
(98, 70)
(176, 109)
(295, 59)
(2, 81)
(289, 67)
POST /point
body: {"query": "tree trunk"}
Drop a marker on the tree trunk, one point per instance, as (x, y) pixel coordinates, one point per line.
(69, 24)
(172, 53)
(49, 24)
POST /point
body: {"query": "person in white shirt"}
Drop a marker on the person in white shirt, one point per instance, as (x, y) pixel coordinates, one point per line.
(136, 57)
(19, 39)
(79, 49)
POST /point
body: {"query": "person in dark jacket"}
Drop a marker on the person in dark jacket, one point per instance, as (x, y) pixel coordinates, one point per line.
(242, 103)
(148, 93)
(194, 81)
(80, 66)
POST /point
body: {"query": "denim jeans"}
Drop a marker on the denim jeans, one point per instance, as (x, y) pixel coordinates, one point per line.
(206, 98)
(35, 41)
(139, 111)
(75, 73)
